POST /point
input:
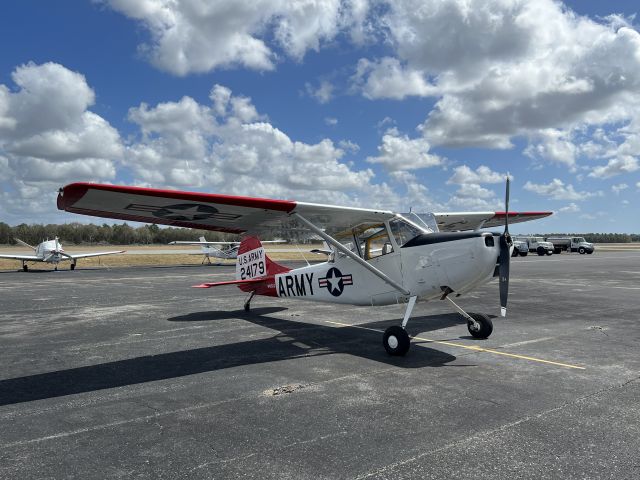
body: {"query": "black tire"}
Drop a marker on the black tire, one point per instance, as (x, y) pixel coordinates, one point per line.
(484, 323)
(73, 266)
(524, 254)
(396, 341)
(541, 251)
(581, 251)
(25, 268)
(515, 253)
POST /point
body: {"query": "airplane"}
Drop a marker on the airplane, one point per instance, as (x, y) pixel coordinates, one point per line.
(51, 251)
(208, 249)
(378, 257)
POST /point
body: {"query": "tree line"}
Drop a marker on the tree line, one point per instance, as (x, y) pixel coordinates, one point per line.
(123, 234)
(89, 234)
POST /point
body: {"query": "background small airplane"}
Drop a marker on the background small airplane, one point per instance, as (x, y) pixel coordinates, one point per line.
(51, 251)
(209, 249)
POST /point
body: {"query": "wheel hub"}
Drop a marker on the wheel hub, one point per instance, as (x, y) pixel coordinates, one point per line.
(393, 341)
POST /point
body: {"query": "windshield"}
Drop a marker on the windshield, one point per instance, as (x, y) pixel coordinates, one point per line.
(426, 221)
(579, 240)
(403, 231)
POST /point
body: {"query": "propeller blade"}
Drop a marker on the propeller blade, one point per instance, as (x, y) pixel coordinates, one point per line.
(504, 259)
(503, 271)
(506, 207)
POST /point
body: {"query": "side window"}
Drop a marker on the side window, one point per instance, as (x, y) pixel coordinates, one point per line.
(378, 245)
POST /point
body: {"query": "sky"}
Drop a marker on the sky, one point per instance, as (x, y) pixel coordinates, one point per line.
(411, 104)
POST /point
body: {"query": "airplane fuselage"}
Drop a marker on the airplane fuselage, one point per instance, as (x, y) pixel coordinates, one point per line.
(50, 251)
(424, 267)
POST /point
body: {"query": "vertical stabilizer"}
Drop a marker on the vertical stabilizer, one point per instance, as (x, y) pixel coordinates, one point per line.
(253, 262)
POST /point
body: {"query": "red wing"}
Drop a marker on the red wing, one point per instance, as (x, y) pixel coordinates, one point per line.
(223, 213)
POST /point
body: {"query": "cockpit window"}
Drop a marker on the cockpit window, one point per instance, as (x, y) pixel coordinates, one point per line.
(426, 221)
(403, 231)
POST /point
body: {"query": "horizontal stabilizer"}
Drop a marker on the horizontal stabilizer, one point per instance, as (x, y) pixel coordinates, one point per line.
(24, 244)
(231, 282)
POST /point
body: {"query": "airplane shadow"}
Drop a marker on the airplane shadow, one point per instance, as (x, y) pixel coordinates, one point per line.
(295, 339)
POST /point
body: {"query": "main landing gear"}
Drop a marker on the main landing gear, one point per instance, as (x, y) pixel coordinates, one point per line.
(247, 302)
(396, 340)
(25, 267)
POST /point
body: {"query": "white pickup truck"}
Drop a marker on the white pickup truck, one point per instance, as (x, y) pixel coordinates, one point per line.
(537, 245)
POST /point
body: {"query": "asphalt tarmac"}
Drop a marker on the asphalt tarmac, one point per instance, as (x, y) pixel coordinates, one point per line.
(130, 373)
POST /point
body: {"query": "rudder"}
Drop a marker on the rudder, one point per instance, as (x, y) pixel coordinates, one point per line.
(253, 262)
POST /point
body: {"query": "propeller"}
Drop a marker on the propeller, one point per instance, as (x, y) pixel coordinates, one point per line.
(58, 251)
(504, 260)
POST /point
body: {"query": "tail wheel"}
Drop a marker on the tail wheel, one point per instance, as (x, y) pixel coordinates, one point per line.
(483, 326)
(396, 341)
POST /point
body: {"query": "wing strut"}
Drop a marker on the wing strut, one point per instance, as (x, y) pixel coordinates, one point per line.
(329, 239)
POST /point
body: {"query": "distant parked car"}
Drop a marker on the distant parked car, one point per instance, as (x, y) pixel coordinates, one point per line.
(520, 248)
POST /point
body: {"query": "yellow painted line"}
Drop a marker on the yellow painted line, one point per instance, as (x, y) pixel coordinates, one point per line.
(471, 347)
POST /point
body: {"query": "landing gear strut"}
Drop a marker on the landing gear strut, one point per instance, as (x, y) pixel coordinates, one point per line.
(478, 324)
(247, 303)
(396, 340)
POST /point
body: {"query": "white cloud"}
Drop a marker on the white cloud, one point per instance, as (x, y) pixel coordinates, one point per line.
(557, 190)
(196, 36)
(619, 188)
(224, 146)
(399, 152)
(387, 78)
(483, 174)
(49, 136)
(331, 121)
(324, 92)
(571, 208)
(555, 146)
(505, 68)
(616, 166)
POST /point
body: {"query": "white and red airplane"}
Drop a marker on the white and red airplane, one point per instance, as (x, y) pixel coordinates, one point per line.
(51, 251)
(377, 257)
(212, 249)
